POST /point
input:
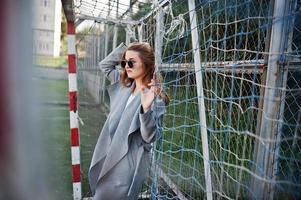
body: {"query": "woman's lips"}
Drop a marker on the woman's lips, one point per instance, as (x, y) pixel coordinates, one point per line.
(128, 71)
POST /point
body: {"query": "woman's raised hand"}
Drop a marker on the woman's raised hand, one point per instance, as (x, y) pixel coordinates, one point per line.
(148, 95)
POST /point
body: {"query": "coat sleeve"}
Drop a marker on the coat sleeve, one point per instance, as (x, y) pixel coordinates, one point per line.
(108, 64)
(151, 121)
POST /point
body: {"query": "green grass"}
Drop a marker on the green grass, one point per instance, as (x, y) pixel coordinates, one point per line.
(54, 129)
(55, 132)
(50, 61)
(52, 90)
(93, 118)
(181, 154)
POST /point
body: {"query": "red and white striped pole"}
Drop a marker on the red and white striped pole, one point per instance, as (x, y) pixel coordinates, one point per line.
(74, 131)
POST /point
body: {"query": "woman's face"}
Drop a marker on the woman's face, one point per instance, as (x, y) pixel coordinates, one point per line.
(137, 71)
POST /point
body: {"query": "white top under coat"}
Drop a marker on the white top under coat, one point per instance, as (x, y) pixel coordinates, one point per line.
(129, 100)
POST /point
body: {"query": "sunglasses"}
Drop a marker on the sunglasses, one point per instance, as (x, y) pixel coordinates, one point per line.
(129, 62)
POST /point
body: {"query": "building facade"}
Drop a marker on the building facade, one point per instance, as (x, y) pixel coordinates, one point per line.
(47, 27)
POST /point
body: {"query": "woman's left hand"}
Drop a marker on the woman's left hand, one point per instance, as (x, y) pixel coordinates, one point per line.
(148, 95)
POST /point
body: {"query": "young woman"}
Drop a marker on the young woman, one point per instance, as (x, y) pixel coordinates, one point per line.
(121, 157)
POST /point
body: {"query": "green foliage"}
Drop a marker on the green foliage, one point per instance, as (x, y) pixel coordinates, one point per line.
(176, 46)
(143, 9)
(227, 27)
(49, 61)
(63, 50)
(63, 26)
(121, 35)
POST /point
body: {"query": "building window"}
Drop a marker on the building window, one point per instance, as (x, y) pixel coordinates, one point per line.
(44, 18)
(44, 3)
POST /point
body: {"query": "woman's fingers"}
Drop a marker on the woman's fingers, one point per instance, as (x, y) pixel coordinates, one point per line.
(152, 83)
(153, 87)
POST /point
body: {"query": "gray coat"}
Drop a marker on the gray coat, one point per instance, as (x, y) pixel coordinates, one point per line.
(121, 157)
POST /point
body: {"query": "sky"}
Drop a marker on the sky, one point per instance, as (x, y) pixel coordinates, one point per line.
(91, 12)
(97, 8)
